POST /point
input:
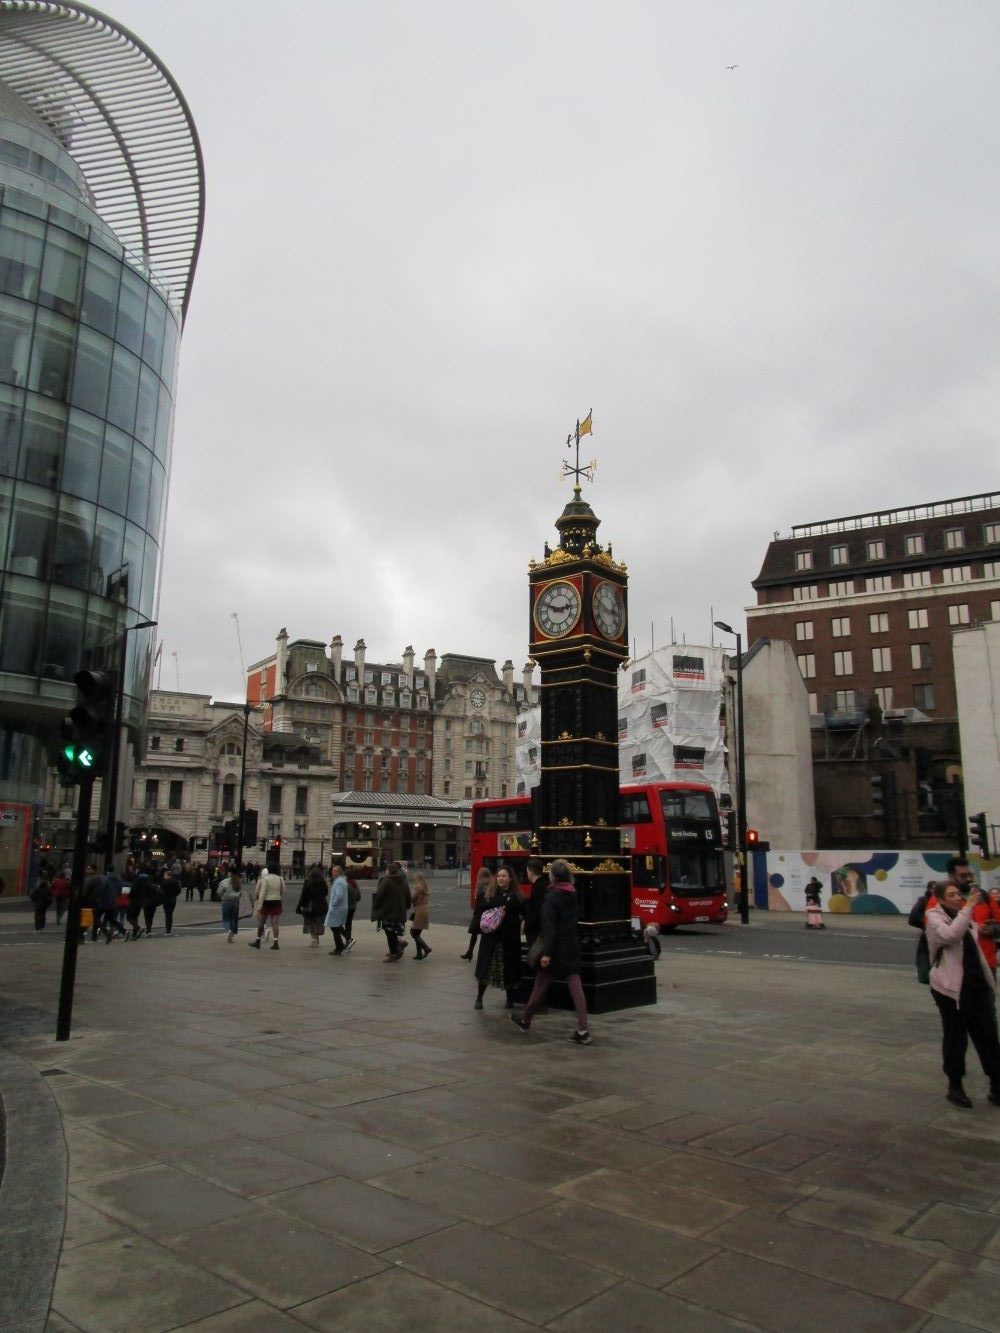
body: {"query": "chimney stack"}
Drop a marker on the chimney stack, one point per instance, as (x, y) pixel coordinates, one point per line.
(359, 660)
(408, 656)
(336, 653)
(430, 668)
(508, 676)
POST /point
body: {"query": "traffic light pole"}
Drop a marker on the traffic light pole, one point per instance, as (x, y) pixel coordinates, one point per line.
(72, 942)
(241, 828)
(115, 758)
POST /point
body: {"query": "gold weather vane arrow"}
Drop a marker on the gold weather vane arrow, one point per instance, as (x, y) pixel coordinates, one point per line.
(584, 427)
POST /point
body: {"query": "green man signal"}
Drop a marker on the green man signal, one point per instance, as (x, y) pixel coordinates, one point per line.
(86, 729)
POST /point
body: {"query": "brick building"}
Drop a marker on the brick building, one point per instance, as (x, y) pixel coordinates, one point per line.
(869, 602)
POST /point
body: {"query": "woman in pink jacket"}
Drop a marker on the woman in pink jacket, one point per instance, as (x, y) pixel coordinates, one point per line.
(962, 986)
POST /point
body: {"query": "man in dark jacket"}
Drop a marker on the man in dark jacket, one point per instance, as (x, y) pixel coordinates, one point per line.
(390, 905)
(539, 881)
(560, 952)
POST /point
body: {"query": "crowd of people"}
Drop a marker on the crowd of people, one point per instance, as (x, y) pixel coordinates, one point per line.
(957, 958)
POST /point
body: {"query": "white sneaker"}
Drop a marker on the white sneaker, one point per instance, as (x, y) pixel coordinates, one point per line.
(348, 946)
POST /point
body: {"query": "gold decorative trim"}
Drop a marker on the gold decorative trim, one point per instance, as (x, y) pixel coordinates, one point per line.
(563, 768)
(565, 735)
(559, 557)
(581, 740)
(609, 868)
(565, 822)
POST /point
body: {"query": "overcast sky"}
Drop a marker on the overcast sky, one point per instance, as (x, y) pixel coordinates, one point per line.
(439, 233)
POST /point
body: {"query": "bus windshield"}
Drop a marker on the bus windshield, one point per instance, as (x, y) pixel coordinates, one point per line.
(696, 870)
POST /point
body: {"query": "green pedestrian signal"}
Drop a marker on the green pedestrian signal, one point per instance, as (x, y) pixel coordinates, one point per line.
(87, 729)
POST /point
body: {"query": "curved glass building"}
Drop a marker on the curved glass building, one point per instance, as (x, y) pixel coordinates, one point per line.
(101, 208)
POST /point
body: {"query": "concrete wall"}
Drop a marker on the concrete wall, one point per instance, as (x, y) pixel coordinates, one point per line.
(976, 654)
(780, 804)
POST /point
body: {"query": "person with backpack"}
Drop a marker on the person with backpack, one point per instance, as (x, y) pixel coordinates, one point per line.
(229, 895)
(560, 955)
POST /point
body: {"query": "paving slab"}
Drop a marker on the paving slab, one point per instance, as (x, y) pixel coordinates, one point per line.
(643, 1311)
(359, 1214)
(160, 1200)
(647, 1199)
(959, 1291)
(399, 1302)
(512, 1274)
(465, 1192)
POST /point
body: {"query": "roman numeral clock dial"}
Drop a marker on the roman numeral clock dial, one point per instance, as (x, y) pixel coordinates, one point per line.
(557, 609)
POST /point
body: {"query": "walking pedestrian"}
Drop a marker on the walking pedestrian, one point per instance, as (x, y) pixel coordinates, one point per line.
(92, 897)
(106, 911)
(539, 882)
(814, 909)
(152, 899)
(420, 921)
(336, 916)
(60, 893)
(170, 889)
(353, 898)
(484, 880)
(498, 921)
(390, 905)
(312, 905)
(560, 952)
(963, 990)
(230, 891)
(270, 892)
(41, 897)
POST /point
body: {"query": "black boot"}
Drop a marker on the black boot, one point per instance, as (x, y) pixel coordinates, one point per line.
(957, 1096)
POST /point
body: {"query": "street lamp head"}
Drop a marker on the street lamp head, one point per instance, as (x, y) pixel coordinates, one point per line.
(143, 624)
(721, 624)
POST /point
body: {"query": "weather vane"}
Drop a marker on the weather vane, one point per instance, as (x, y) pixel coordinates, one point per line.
(584, 427)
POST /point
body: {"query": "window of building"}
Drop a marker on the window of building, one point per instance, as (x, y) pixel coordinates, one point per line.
(954, 539)
(807, 665)
(154, 742)
(301, 800)
(813, 703)
(803, 559)
(880, 583)
(806, 592)
(176, 795)
(843, 663)
(803, 630)
(923, 698)
(468, 793)
(369, 675)
(883, 693)
(916, 617)
(844, 588)
(386, 677)
(958, 614)
(228, 797)
(991, 532)
(917, 578)
(152, 796)
(991, 569)
(957, 573)
(878, 622)
(840, 627)
(353, 694)
(915, 543)
(274, 800)
(838, 555)
(920, 656)
(179, 744)
(843, 700)
(876, 549)
(995, 610)
(881, 659)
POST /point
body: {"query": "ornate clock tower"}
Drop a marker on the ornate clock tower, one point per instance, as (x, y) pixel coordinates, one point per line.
(579, 638)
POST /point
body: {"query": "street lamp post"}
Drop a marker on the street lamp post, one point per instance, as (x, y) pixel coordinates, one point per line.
(116, 750)
(241, 827)
(741, 778)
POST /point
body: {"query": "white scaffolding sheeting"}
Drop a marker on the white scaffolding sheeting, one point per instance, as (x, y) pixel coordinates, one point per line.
(669, 721)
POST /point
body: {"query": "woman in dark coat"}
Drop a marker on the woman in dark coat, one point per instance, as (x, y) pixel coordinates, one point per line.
(560, 952)
(312, 905)
(390, 906)
(498, 962)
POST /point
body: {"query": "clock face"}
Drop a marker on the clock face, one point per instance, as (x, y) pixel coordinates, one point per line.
(478, 698)
(609, 610)
(557, 609)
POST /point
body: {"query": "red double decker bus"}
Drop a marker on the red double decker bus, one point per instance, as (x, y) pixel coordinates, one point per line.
(671, 834)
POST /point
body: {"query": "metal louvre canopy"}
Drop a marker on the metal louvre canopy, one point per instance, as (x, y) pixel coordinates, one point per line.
(118, 112)
(368, 806)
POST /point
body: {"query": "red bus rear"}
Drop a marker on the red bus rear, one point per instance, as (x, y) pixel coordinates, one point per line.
(670, 831)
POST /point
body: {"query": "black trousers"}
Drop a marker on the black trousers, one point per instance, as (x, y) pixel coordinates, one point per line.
(974, 1017)
(349, 923)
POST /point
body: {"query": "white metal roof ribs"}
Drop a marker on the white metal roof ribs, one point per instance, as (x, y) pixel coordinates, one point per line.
(118, 112)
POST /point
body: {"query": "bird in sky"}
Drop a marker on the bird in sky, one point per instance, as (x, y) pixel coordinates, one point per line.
(732, 67)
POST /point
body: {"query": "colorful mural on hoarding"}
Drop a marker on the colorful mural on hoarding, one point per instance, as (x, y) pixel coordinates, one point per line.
(879, 883)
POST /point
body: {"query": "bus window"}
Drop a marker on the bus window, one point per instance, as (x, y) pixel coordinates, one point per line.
(687, 804)
(648, 871)
(635, 808)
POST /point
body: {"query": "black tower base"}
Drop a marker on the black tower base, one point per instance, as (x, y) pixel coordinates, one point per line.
(618, 975)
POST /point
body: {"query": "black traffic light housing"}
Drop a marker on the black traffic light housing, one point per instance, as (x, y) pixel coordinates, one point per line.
(86, 729)
(979, 840)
